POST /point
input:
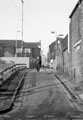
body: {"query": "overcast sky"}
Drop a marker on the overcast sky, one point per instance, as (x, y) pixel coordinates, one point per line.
(40, 18)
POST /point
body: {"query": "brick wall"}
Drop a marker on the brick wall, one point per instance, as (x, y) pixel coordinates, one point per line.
(66, 62)
(81, 33)
(9, 51)
(59, 55)
(52, 50)
(75, 45)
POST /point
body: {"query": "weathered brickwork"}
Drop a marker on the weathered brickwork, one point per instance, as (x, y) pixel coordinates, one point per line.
(81, 32)
(60, 57)
(76, 39)
(66, 62)
(56, 53)
(9, 51)
(52, 50)
(59, 54)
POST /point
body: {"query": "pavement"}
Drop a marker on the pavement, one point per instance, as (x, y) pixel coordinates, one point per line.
(76, 88)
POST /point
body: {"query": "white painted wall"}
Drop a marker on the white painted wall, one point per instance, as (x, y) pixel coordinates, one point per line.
(17, 60)
(44, 60)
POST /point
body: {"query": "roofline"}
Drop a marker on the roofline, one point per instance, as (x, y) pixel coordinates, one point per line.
(52, 43)
(17, 40)
(76, 6)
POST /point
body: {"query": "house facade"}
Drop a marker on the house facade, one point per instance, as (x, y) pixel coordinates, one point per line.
(61, 58)
(56, 54)
(52, 50)
(76, 42)
(66, 58)
(12, 48)
(8, 48)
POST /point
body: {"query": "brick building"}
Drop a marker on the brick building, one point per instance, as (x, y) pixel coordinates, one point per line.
(66, 58)
(56, 53)
(51, 53)
(52, 50)
(8, 48)
(76, 41)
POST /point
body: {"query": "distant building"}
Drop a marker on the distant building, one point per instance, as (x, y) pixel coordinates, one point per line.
(52, 51)
(9, 48)
(66, 59)
(51, 54)
(58, 52)
(55, 53)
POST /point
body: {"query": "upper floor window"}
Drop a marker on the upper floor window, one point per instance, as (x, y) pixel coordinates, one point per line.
(27, 50)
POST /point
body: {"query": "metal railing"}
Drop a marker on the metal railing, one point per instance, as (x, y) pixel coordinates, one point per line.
(6, 73)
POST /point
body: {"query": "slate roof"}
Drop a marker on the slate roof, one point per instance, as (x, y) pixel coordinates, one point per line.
(52, 45)
(65, 43)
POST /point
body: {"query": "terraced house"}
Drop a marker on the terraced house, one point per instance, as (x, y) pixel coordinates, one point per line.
(59, 54)
(76, 42)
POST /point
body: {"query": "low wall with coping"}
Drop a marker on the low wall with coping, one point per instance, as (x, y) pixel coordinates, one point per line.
(16, 60)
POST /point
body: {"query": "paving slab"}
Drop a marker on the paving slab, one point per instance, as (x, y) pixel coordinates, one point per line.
(76, 88)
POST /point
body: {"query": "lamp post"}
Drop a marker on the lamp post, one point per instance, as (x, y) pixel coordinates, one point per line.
(16, 43)
(54, 32)
(40, 46)
(22, 29)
